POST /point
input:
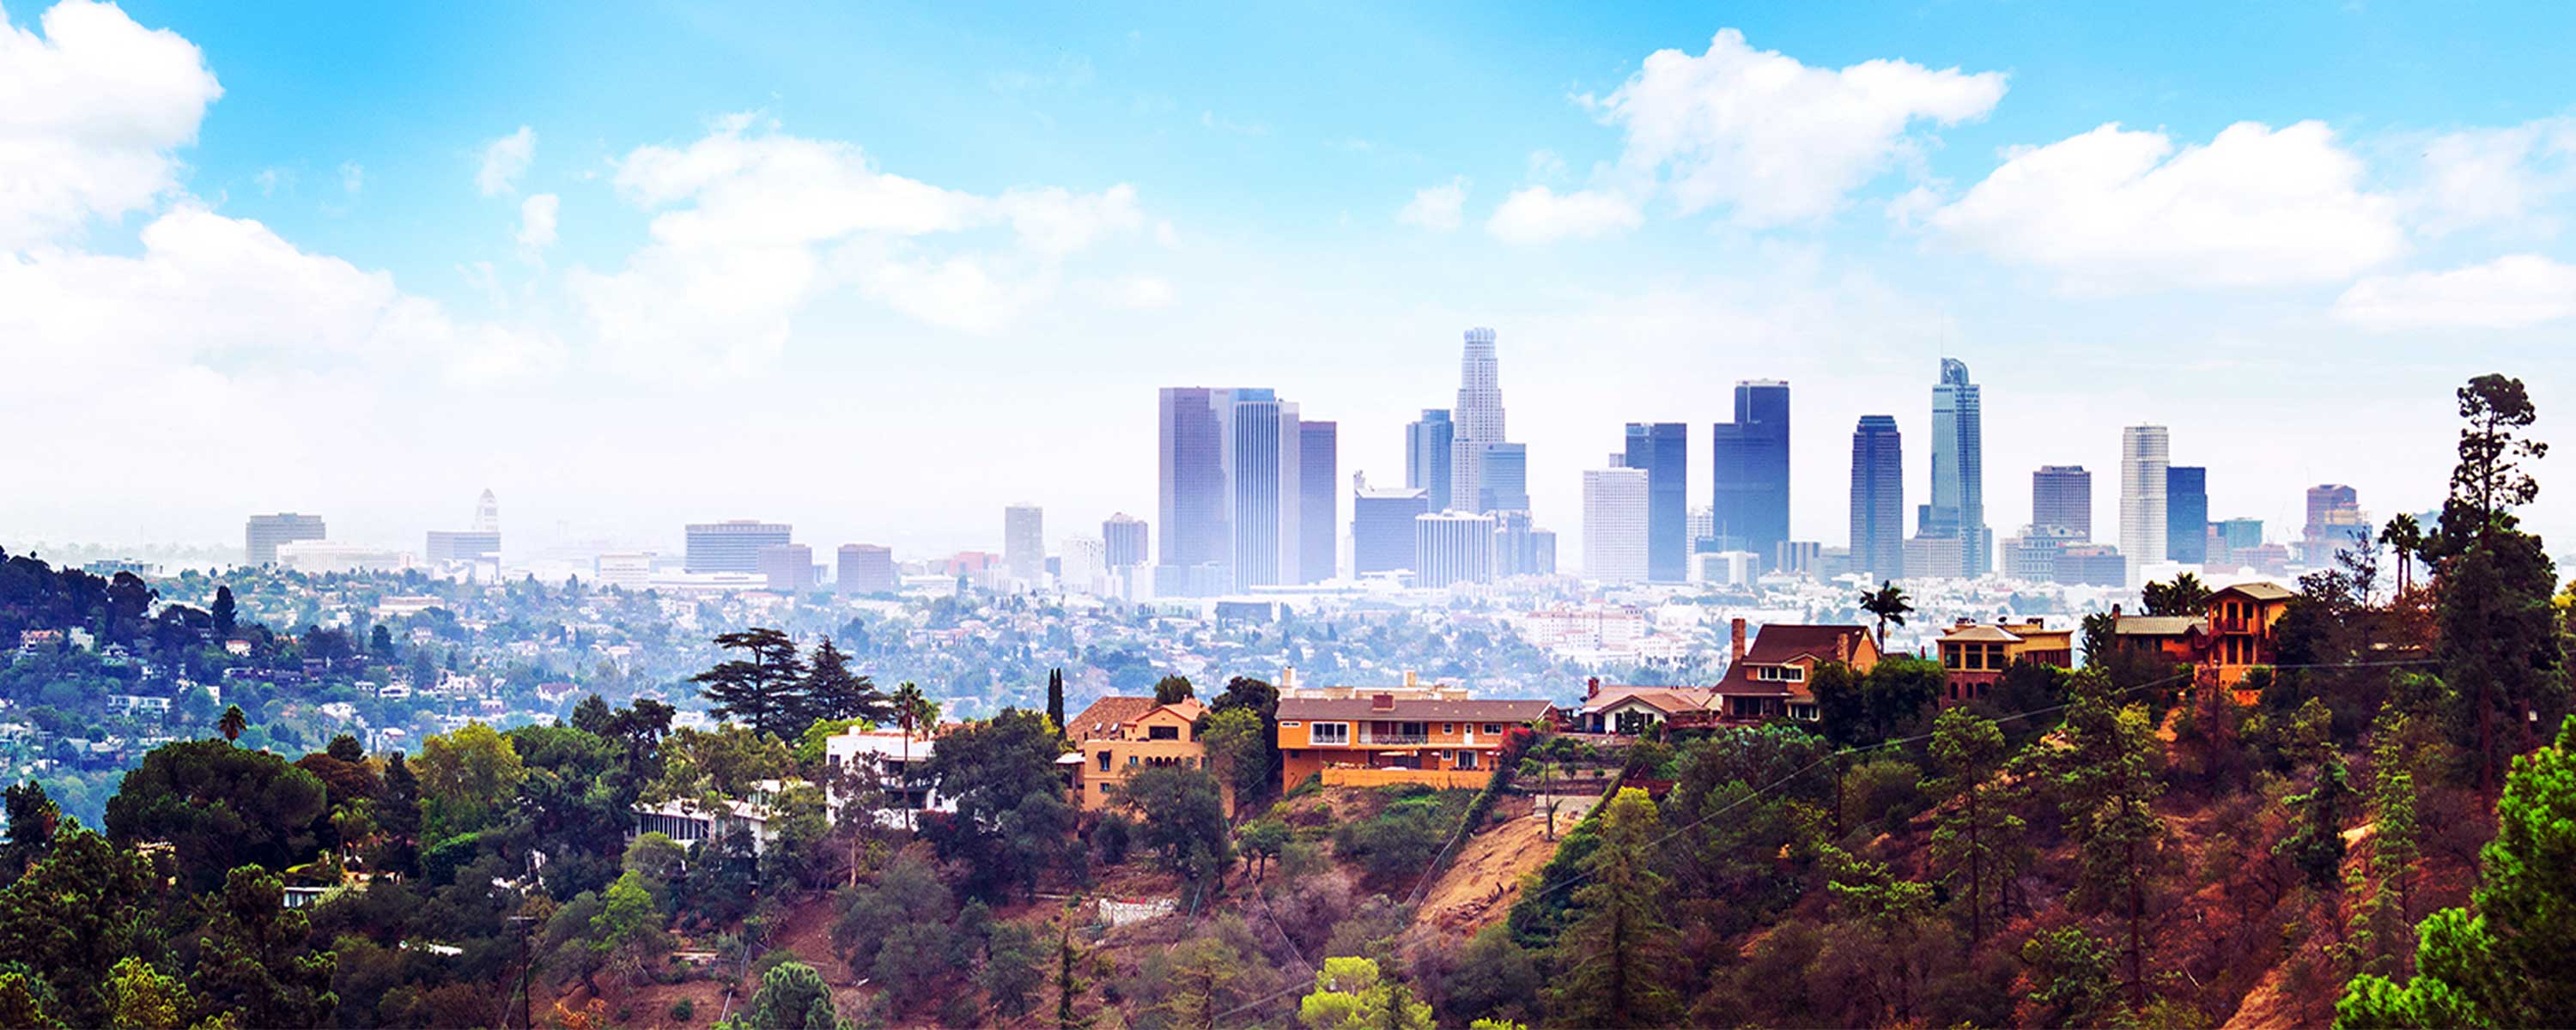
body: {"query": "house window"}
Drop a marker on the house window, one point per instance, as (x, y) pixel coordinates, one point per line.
(1493, 727)
(1162, 733)
(1290, 723)
(1448, 727)
(1466, 760)
(1104, 761)
(1131, 761)
(1330, 733)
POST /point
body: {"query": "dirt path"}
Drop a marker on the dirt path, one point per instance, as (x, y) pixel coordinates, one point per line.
(1477, 890)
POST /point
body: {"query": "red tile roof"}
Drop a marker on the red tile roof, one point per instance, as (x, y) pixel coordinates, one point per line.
(1101, 720)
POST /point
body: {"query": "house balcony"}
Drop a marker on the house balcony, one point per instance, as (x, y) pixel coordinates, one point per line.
(1394, 739)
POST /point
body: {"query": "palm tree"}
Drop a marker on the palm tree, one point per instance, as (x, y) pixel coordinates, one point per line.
(2404, 534)
(911, 709)
(233, 723)
(1889, 604)
(2186, 595)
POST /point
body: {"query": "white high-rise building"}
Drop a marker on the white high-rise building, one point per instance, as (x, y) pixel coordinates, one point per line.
(1024, 543)
(626, 570)
(2144, 453)
(1614, 525)
(487, 513)
(1476, 421)
(1453, 547)
(1084, 567)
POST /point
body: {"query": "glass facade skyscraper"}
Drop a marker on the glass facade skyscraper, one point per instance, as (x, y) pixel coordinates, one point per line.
(1478, 420)
(1958, 506)
(1318, 487)
(2144, 452)
(1263, 471)
(1382, 530)
(2187, 514)
(732, 546)
(1190, 454)
(2061, 497)
(1749, 509)
(1878, 498)
(1662, 451)
(1505, 482)
(1232, 490)
(1426, 456)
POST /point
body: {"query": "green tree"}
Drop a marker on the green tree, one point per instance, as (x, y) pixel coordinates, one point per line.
(765, 690)
(1889, 604)
(1262, 841)
(1055, 698)
(2100, 632)
(467, 779)
(232, 724)
(1238, 746)
(218, 807)
(2499, 641)
(791, 997)
(1617, 953)
(79, 909)
(1979, 838)
(2186, 595)
(254, 960)
(1013, 970)
(1068, 987)
(833, 692)
(224, 612)
(397, 815)
(1172, 690)
(2316, 846)
(1350, 994)
(2108, 785)
(2509, 959)
(2404, 536)
(33, 817)
(1183, 819)
(2072, 980)
(1201, 970)
(140, 997)
(628, 931)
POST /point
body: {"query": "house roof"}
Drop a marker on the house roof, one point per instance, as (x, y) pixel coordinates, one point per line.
(1663, 699)
(1981, 634)
(1104, 716)
(2259, 590)
(2160, 625)
(1781, 643)
(1361, 708)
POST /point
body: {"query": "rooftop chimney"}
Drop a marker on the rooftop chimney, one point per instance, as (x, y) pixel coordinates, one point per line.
(1384, 702)
(1288, 677)
(1736, 627)
(1591, 688)
(1409, 679)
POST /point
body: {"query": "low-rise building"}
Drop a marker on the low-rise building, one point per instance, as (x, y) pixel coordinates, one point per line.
(1629, 711)
(899, 764)
(1769, 679)
(1974, 656)
(1436, 741)
(1119, 737)
(2231, 637)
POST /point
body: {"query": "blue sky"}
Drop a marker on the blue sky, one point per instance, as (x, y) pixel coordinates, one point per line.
(881, 272)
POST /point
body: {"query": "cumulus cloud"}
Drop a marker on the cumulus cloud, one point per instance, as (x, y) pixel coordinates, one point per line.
(2490, 176)
(2507, 293)
(1437, 208)
(1140, 292)
(750, 224)
(1537, 214)
(1772, 139)
(90, 110)
(2115, 210)
(504, 161)
(537, 222)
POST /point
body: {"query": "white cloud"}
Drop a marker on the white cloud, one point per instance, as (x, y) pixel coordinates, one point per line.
(353, 177)
(269, 179)
(2114, 211)
(504, 160)
(89, 114)
(2507, 293)
(537, 222)
(2492, 176)
(1140, 292)
(1437, 208)
(752, 224)
(1775, 140)
(1537, 214)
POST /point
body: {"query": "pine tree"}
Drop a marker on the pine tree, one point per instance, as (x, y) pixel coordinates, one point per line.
(397, 814)
(224, 613)
(1617, 953)
(254, 961)
(2512, 962)
(33, 817)
(831, 692)
(1978, 838)
(1055, 698)
(765, 690)
(2108, 787)
(2498, 639)
(2316, 847)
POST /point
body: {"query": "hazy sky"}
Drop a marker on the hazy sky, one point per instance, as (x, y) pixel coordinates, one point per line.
(879, 274)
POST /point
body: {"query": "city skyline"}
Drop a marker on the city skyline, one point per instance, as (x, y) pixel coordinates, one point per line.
(519, 266)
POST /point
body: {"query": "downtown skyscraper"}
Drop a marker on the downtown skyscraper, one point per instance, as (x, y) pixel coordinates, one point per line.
(1318, 499)
(2144, 453)
(1662, 451)
(1957, 509)
(1476, 421)
(1615, 512)
(2187, 514)
(1749, 509)
(1427, 443)
(1232, 479)
(1878, 498)
(2061, 498)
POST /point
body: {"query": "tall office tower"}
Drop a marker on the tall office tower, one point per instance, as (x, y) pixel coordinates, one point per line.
(1476, 420)
(1024, 543)
(732, 546)
(2061, 497)
(1504, 472)
(788, 567)
(487, 513)
(262, 534)
(2144, 451)
(1426, 456)
(1614, 525)
(1382, 525)
(1124, 535)
(1662, 451)
(1701, 529)
(865, 569)
(2228, 537)
(1520, 547)
(1263, 472)
(1453, 547)
(1958, 505)
(2334, 518)
(2187, 514)
(1878, 498)
(1319, 518)
(1751, 458)
(1190, 452)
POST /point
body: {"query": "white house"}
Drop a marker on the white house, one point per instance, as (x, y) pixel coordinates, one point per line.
(892, 757)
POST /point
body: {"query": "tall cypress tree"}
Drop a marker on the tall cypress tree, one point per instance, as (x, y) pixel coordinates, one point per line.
(1055, 698)
(1618, 953)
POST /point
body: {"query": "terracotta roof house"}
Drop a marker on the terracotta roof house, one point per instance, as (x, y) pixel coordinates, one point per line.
(1382, 738)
